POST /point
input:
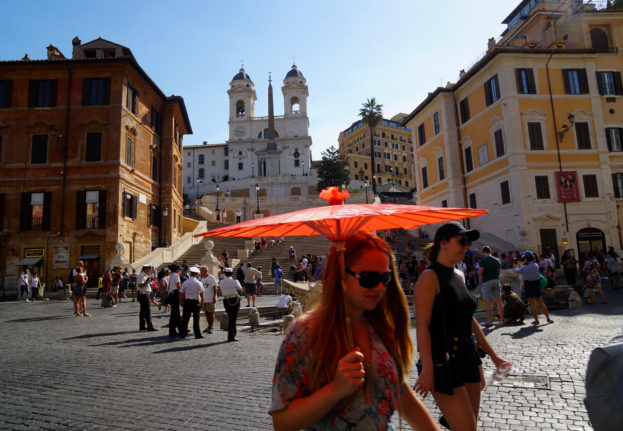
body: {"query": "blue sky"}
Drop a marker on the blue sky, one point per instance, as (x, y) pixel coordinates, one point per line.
(396, 51)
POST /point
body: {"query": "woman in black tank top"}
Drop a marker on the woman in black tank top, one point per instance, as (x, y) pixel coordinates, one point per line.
(444, 308)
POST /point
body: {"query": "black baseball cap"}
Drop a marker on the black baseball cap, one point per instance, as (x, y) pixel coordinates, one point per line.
(455, 228)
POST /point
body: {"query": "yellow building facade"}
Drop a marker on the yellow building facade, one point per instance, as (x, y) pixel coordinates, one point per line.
(393, 158)
(533, 132)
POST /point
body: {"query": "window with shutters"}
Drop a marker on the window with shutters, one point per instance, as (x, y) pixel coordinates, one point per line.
(436, 125)
(424, 177)
(201, 174)
(472, 200)
(590, 186)
(226, 165)
(421, 133)
(154, 168)
(35, 211)
(42, 93)
(378, 167)
(505, 192)
(156, 121)
(440, 168)
(129, 205)
(469, 162)
(617, 183)
(5, 93)
(525, 81)
(582, 135)
(498, 137)
(131, 101)
(492, 90)
(575, 81)
(129, 153)
(542, 187)
(39, 150)
(599, 39)
(93, 147)
(614, 137)
(96, 91)
(609, 83)
(201, 159)
(535, 137)
(464, 110)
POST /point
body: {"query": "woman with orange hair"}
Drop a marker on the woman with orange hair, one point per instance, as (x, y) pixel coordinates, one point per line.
(344, 365)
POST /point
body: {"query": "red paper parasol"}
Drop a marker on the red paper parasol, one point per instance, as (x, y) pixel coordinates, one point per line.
(338, 221)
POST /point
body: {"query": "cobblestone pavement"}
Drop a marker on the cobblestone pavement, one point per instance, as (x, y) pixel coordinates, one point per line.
(61, 372)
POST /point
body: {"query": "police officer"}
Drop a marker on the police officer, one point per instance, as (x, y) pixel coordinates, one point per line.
(144, 289)
(173, 300)
(193, 303)
(231, 290)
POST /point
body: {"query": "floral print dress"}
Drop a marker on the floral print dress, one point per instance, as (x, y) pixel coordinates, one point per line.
(372, 408)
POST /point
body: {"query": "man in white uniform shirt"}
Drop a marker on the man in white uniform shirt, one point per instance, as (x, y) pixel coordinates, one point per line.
(209, 296)
(144, 281)
(173, 299)
(231, 290)
(193, 303)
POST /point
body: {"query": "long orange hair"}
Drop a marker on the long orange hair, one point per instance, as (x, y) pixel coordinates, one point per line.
(328, 334)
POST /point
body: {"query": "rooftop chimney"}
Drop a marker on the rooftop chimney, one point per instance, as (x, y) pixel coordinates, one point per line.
(76, 50)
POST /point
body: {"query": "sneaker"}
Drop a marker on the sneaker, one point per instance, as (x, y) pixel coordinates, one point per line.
(209, 330)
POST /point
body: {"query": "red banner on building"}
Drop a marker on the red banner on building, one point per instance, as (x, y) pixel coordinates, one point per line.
(567, 184)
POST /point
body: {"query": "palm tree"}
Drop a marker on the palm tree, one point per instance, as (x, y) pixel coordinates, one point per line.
(371, 114)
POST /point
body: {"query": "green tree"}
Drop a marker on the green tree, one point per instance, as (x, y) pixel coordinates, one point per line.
(371, 114)
(333, 169)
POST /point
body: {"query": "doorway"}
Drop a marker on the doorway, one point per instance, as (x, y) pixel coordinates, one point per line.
(590, 239)
(90, 255)
(548, 242)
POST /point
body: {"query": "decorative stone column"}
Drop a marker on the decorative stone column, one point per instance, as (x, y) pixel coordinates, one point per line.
(208, 259)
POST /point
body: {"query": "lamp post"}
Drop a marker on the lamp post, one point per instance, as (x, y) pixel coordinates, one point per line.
(257, 196)
(252, 169)
(366, 185)
(217, 191)
(165, 213)
(199, 182)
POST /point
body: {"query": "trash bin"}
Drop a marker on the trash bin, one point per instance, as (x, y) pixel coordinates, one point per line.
(40, 290)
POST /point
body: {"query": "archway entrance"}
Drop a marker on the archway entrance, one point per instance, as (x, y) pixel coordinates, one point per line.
(590, 239)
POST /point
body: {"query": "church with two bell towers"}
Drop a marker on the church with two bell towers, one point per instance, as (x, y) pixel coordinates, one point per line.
(265, 159)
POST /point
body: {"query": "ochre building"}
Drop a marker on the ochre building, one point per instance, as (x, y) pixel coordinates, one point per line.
(90, 156)
(533, 132)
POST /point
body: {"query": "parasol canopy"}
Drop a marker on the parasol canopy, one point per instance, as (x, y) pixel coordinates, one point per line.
(338, 221)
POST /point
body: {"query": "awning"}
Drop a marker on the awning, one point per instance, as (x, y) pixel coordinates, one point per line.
(28, 261)
(89, 257)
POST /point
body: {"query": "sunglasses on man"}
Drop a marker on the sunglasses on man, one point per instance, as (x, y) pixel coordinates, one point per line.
(371, 279)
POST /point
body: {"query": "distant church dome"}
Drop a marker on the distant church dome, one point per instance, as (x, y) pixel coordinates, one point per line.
(241, 75)
(294, 72)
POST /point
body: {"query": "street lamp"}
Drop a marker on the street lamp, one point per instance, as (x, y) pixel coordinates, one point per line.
(165, 213)
(217, 190)
(257, 196)
(252, 169)
(365, 186)
(199, 182)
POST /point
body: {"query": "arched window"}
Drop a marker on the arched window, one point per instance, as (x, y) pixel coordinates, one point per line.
(201, 159)
(264, 134)
(599, 39)
(201, 173)
(240, 108)
(295, 105)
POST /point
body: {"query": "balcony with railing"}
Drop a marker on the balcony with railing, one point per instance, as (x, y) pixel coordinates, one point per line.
(36, 223)
(92, 222)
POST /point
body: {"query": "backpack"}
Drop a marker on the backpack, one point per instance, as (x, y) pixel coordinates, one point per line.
(604, 387)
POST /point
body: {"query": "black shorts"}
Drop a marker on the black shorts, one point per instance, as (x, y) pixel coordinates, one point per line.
(251, 289)
(462, 367)
(532, 288)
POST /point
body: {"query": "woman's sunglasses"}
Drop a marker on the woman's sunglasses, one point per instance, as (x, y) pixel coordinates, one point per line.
(463, 241)
(371, 279)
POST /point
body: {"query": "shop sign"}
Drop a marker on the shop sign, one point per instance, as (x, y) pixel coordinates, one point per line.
(34, 252)
(567, 185)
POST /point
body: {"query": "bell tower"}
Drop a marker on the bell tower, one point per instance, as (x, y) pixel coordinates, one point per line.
(241, 97)
(295, 94)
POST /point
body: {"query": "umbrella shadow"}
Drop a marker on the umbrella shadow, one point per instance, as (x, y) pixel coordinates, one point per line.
(136, 342)
(193, 347)
(103, 334)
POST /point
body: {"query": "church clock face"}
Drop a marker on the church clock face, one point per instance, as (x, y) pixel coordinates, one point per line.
(297, 129)
(240, 131)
